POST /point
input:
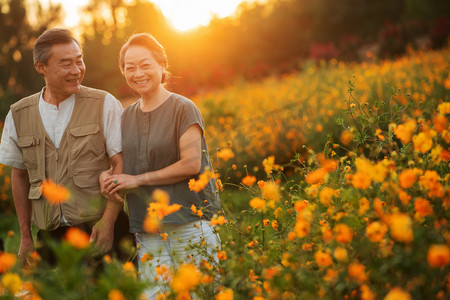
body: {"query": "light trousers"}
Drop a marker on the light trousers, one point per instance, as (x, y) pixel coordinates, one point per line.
(175, 250)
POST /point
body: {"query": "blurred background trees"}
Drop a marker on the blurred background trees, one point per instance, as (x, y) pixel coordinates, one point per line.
(262, 39)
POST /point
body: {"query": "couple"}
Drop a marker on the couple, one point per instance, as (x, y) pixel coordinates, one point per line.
(73, 135)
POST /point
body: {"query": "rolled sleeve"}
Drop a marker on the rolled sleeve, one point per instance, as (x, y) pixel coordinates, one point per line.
(112, 125)
(10, 153)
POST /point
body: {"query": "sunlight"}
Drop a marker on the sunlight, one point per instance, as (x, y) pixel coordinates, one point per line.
(182, 14)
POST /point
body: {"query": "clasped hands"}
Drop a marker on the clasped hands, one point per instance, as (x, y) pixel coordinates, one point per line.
(112, 185)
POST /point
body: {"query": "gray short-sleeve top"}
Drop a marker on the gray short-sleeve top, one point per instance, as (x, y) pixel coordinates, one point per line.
(150, 143)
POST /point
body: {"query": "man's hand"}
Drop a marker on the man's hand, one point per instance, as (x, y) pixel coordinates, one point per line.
(26, 247)
(104, 176)
(102, 236)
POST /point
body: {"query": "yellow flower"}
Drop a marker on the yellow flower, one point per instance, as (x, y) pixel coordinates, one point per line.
(115, 295)
(129, 269)
(268, 164)
(397, 293)
(376, 231)
(225, 154)
(77, 238)
(344, 233)
(258, 204)
(226, 294)
(438, 256)
(7, 261)
(55, 193)
(271, 191)
(400, 225)
(186, 278)
(444, 108)
(12, 283)
(323, 259)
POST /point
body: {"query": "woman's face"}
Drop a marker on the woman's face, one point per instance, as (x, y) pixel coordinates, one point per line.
(142, 72)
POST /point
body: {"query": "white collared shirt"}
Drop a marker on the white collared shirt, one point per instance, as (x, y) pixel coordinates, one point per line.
(55, 120)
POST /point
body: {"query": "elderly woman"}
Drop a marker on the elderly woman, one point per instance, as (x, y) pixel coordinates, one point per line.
(163, 147)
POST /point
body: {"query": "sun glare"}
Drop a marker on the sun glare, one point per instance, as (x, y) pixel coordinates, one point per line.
(182, 14)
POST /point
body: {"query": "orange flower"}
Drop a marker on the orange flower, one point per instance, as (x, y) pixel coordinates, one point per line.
(248, 180)
(300, 205)
(323, 259)
(218, 221)
(404, 131)
(258, 204)
(164, 236)
(423, 141)
(186, 278)
(344, 234)
(115, 295)
(274, 224)
(271, 191)
(397, 293)
(326, 194)
(366, 293)
(77, 238)
(444, 108)
(438, 256)
(316, 176)
(346, 137)
(55, 193)
(376, 231)
(225, 154)
(361, 181)
(200, 184)
(226, 294)
(423, 207)
(7, 261)
(147, 257)
(440, 123)
(151, 224)
(430, 181)
(340, 253)
(356, 271)
(363, 205)
(407, 178)
(129, 269)
(302, 228)
(261, 184)
(222, 255)
(331, 275)
(404, 197)
(400, 225)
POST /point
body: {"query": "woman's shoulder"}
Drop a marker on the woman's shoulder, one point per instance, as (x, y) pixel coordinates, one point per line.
(132, 107)
(183, 102)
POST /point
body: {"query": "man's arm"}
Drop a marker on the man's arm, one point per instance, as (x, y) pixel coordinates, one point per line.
(103, 231)
(20, 189)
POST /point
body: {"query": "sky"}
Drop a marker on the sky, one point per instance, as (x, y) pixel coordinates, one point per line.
(183, 14)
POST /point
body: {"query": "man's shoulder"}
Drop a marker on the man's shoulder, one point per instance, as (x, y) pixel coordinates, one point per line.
(25, 102)
(88, 92)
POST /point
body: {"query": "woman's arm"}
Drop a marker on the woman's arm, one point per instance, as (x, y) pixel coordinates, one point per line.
(188, 165)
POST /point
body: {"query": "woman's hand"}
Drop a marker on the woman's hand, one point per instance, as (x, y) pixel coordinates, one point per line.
(115, 183)
(110, 196)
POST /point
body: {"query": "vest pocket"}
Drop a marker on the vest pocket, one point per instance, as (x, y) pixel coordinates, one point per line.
(29, 144)
(86, 139)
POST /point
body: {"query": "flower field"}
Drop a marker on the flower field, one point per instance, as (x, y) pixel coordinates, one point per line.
(334, 184)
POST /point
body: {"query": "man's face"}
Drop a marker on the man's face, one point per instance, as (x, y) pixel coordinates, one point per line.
(64, 71)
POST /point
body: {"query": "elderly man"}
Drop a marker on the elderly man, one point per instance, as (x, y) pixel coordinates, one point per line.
(69, 134)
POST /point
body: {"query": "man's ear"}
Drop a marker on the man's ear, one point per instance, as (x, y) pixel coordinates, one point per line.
(40, 67)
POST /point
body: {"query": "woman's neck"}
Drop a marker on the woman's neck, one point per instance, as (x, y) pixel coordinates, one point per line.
(152, 101)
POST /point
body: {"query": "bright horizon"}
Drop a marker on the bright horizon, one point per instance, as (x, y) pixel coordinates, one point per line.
(182, 14)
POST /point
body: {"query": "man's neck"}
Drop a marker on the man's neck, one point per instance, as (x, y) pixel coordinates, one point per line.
(53, 98)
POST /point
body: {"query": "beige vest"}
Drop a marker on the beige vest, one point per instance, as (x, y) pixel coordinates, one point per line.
(76, 164)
